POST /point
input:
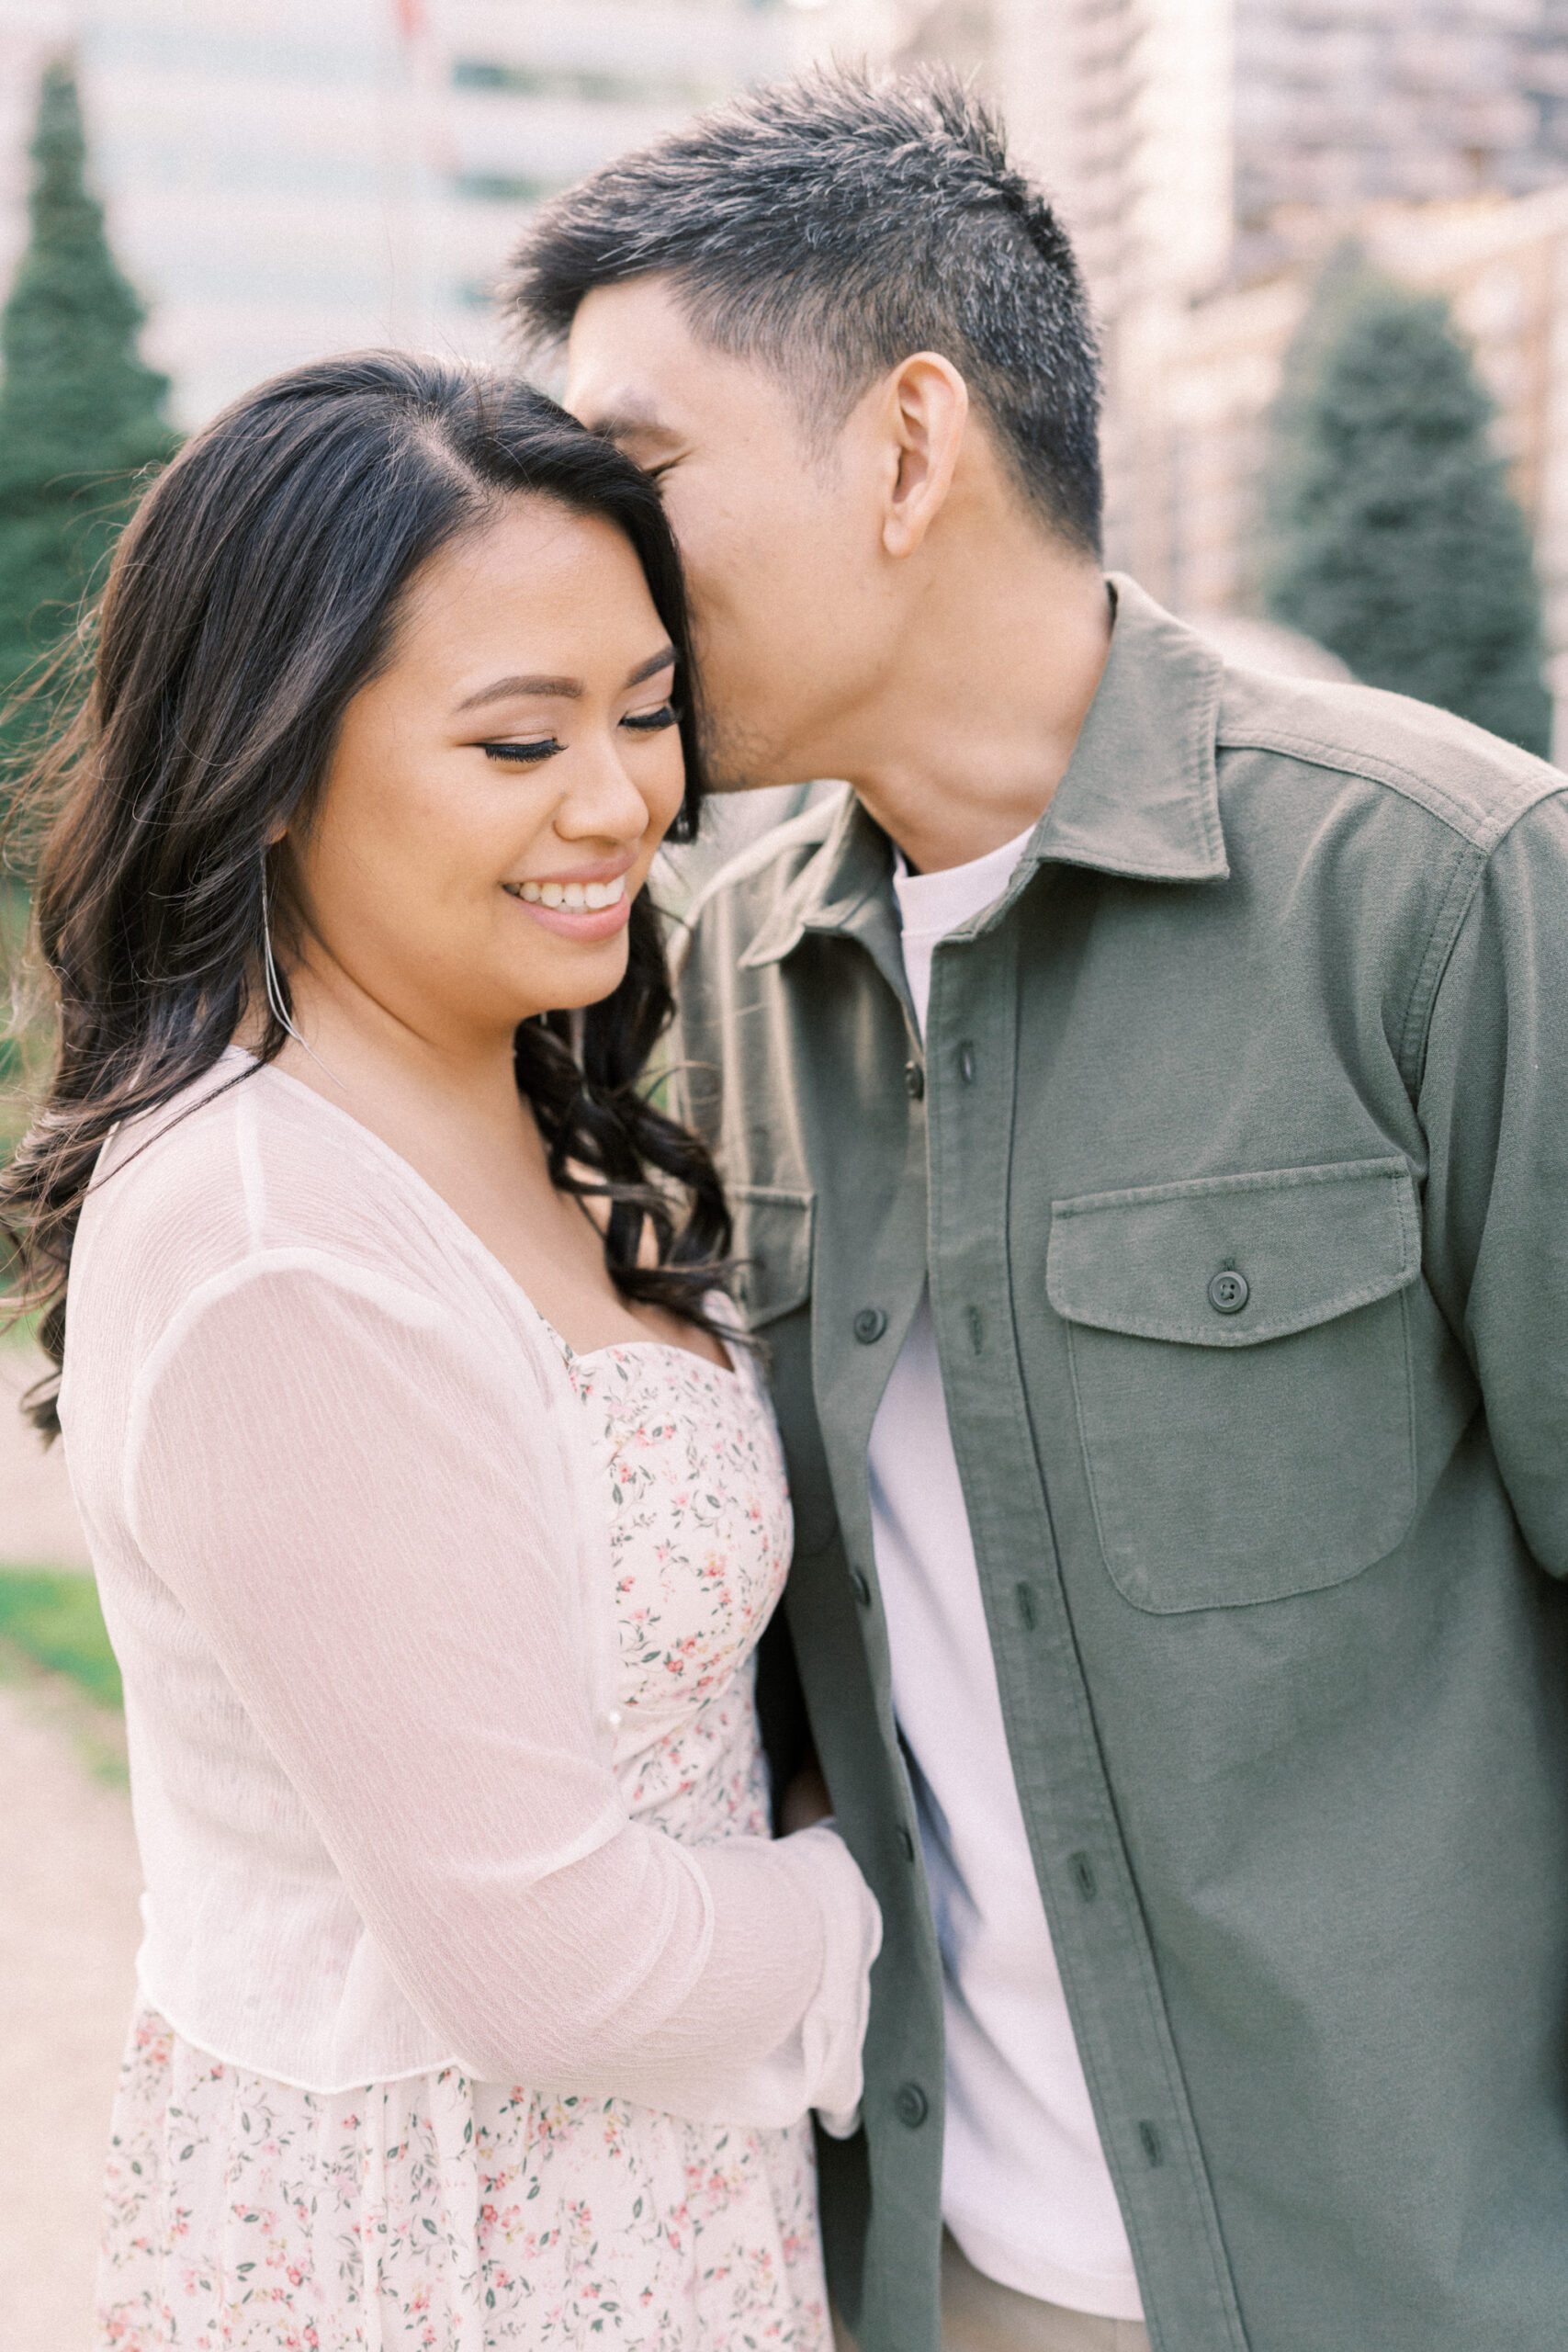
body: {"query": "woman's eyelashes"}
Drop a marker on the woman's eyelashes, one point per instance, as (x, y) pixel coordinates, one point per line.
(545, 747)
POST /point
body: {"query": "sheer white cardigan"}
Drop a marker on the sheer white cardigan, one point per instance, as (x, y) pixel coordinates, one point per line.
(355, 1563)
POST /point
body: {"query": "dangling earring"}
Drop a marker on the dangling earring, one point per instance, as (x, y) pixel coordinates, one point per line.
(274, 985)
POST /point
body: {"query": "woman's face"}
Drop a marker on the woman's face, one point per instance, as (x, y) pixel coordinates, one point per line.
(497, 793)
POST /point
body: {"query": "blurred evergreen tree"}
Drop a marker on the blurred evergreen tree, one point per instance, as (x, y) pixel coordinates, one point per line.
(1393, 538)
(80, 415)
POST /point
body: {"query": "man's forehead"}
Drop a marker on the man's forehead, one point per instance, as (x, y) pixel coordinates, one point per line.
(637, 370)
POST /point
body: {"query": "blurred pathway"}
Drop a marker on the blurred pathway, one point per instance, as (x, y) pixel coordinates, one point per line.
(69, 1884)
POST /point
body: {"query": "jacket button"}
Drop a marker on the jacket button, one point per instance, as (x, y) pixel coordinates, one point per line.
(906, 1843)
(870, 1324)
(966, 1061)
(859, 1586)
(914, 1080)
(1229, 1292)
(910, 2105)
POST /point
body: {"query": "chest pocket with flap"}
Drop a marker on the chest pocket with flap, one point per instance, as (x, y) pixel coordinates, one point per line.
(1241, 1367)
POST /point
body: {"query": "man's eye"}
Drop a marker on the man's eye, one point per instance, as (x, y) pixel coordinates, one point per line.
(650, 722)
(523, 753)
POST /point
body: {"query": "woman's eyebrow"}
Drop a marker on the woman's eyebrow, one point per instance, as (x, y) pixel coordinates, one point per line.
(566, 689)
(562, 688)
(571, 689)
(663, 660)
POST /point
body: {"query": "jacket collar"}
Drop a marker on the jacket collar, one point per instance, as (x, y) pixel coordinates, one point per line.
(1140, 796)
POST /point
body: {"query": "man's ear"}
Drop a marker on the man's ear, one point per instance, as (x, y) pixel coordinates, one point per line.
(926, 408)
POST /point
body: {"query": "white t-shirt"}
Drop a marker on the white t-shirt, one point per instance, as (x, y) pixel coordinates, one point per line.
(1025, 2187)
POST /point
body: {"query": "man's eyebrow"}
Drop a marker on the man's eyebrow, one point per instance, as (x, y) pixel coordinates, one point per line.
(624, 423)
(565, 689)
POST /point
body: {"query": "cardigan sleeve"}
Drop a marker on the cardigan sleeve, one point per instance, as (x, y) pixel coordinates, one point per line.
(362, 1507)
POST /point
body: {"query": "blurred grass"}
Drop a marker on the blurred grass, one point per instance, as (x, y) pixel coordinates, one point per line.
(54, 1620)
(25, 1043)
(25, 1032)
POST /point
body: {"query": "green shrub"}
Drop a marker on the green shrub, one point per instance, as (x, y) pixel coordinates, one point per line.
(1393, 538)
(81, 417)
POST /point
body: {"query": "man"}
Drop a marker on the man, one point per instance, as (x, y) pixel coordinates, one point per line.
(1143, 1097)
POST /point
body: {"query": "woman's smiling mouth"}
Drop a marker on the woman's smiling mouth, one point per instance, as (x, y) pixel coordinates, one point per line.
(574, 896)
(584, 910)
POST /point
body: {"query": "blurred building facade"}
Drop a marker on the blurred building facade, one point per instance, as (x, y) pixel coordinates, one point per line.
(286, 179)
(1434, 133)
(1209, 154)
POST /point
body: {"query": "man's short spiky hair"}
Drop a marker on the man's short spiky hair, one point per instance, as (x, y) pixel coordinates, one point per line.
(829, 226)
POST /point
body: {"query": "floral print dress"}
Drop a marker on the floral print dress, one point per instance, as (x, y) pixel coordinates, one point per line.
(449, 2215)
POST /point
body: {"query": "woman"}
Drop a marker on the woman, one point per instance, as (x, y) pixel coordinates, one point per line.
(435, 1525)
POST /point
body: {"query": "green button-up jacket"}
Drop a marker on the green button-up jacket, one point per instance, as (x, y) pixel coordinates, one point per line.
(1236, 1159)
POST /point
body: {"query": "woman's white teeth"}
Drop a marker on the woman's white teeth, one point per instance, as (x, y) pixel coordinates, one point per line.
(578, 898)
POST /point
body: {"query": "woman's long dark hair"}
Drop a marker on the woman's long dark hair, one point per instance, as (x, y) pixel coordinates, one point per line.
(255, 591)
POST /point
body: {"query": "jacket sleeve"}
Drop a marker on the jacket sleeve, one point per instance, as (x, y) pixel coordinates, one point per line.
(1494, 1105)
(354, 1500)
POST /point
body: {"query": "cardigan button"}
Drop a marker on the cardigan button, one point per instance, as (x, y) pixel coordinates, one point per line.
(860, 1584)
(910, 2105)
(914, 1080)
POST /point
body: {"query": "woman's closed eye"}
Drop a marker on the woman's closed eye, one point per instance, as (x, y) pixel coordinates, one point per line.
(544, 747)
(652, 723)
(528, 752)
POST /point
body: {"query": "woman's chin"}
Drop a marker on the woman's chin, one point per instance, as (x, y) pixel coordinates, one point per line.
(568, 977)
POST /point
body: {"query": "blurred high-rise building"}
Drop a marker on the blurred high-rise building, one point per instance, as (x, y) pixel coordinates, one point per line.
(1192, 143)
(286, 179)
(1339, 103)
(1209, 154)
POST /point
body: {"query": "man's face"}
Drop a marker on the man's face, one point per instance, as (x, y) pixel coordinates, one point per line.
(780, 543)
